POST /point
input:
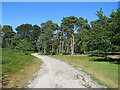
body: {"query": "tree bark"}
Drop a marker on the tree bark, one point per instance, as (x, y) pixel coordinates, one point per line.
(72, 44)
(62, 46)
(57, 42)
(44, 49)
(52, 47)
(67, 51)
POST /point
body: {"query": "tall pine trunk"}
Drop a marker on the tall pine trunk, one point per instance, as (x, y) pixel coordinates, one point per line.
(57, 42)
(44, 49)
(72, 44)
(62, 46)
(67, 47)
(52, 47)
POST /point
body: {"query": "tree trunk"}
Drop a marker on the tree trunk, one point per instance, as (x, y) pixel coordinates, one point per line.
(57, 46)
(52, 47)
(57, 42)
(62, 46)
(72, 44)
(38, 49)
(67, 51)
(44, 49)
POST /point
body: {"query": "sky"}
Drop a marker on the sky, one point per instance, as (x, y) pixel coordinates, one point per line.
(17, 13)
(59, 0)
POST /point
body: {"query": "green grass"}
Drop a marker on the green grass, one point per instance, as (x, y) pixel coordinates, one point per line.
(18, 67)
(103, 72)
(13, 60)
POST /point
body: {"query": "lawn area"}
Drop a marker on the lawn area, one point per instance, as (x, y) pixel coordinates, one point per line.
(18, 68)
(105, 73)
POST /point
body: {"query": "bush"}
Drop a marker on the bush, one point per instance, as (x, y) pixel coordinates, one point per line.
(58, 53)
(26, 53)
(96, 53)
(45, 53)
(54, 53)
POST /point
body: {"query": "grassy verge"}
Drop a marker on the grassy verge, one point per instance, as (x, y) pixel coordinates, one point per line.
(18, 68)
(105, 73)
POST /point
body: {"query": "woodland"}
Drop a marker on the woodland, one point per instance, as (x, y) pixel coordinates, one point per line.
(75, 35)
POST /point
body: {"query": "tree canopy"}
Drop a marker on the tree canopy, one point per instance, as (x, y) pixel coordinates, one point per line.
(73, 35)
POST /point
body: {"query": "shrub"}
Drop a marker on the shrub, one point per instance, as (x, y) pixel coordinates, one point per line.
(96, 53)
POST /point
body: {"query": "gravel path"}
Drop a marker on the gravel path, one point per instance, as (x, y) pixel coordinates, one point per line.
(58, 74)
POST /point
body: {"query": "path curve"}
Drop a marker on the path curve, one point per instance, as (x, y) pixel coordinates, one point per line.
(58, 74)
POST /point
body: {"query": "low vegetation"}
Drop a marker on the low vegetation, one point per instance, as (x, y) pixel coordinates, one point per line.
(104, 71)
(17, 68)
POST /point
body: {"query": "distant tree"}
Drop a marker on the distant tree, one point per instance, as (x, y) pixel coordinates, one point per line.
(47, 36)
(35, 36)
(1, 31)
(69, 26)
(114, 29)
(29, 32)
(25, 30)
(1, 34)
(83, 34)
(99, 34)
(8, 34)
(24, 45)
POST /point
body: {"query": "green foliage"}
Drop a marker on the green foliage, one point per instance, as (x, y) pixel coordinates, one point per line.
(54, 53)
(45, 53)
(59, 53)
(46, 38)
(24, 45)
(83, 46)
(99, 53)
(8, 34)
(102, 35)
(24, 30)
(69, 26)
(74, 35)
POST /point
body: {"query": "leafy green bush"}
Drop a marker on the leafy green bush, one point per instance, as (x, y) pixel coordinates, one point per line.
(54, 53)
(116, 48)
(58, 53)
(96, 53)
(45, 53)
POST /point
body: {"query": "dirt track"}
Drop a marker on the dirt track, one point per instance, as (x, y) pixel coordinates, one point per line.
(58, 74)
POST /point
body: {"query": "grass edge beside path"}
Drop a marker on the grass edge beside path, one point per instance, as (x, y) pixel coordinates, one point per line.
(87, 66)
(20, 78)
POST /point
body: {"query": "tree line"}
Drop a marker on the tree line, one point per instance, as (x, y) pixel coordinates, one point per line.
(73, 35)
